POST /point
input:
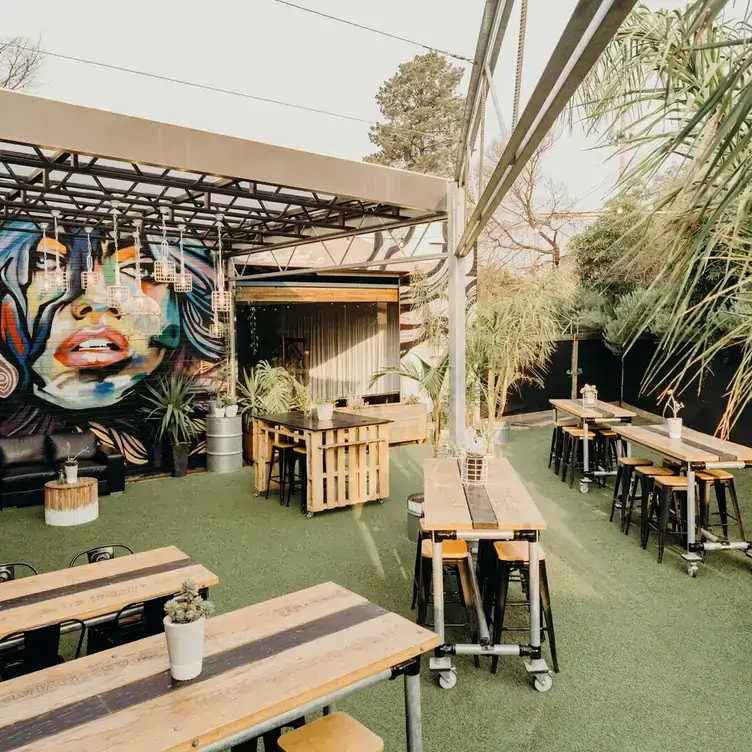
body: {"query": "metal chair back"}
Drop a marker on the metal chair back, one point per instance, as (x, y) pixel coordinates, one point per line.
(8, 571)
(100, 553)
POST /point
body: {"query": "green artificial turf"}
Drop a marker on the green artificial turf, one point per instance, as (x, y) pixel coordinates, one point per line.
(650, 659)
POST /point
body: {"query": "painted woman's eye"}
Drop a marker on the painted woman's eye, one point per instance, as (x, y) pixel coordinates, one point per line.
(49, 261)
(128, 268)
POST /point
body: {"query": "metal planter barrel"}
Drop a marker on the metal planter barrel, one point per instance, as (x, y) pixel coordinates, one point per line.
(224, 444)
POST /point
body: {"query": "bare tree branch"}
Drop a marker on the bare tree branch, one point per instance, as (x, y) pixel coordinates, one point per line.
(20, 61)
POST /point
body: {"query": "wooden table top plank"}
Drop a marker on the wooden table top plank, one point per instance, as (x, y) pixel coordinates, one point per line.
(194, 714)
(444, 501)
(297, 420)
(510, 499)
(681, 450)
(601, 411)
(24, 608)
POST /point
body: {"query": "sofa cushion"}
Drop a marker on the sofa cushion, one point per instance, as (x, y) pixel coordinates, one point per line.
(22, 450)
(89, 469)
(26, 477)
(82, 444)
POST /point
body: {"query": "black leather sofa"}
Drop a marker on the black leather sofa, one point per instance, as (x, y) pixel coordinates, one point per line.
(28, 462)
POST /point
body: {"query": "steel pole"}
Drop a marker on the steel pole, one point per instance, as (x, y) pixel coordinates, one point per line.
(457, 282)
(413, 716)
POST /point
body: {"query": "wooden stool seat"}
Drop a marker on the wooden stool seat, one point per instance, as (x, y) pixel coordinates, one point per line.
(282, 445)
(607, 432)
(677, 482)
(573, 431)
(299, 449)
(653, 471)
(514, 551)
(337, 732)
(713, 475)
(450, 550)
(634, 461)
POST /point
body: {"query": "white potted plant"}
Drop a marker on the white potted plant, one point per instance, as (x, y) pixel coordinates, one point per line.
(589, 396)
(184, 629)
(674, 423)
(71, 466)
(230, 405)
(324, 410)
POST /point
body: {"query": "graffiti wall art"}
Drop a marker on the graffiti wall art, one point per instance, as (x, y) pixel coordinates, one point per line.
(68, 359)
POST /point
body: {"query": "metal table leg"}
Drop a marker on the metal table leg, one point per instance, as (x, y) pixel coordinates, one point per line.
(690, 556)
(448, 675)
(585, 482)
(413, 719)
(536, 666)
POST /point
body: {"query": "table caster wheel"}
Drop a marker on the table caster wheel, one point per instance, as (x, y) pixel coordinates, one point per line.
(543, 682)
(448, 679)
(257, 494)
(692, 570)
(309, 515)
(382, 501)
(584, 487)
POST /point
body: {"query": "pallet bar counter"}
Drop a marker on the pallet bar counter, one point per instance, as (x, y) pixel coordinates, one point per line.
(347, 457)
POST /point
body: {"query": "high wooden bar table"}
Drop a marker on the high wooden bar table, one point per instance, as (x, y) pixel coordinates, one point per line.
(95, 590)
(500, 510)
(694, 451)
(264, 665)
(603, 412)
(347, 457)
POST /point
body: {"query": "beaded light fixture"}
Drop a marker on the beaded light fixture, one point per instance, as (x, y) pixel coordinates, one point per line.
(118, 295)
(60, 280)
(145, 312)
(216, 328)
(45, 287)
(183, 279)
(164, 266)
(220, 296)
(89, 278)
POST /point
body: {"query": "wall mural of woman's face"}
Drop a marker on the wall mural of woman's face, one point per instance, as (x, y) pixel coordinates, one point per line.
(92, 357)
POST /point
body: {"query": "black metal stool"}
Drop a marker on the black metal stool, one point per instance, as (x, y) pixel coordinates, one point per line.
(557, 441)
(281, 453)
(624, 473)
(721, 481)
(571, 455)
(644, 477)
(669, 494)
(298, 458)
(511, 556)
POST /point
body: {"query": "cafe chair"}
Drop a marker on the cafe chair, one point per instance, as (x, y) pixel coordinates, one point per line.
(133, 622)
(624, 472)
(720, 481)
(513, 556)
(270, 738)
(100, 553)
(38, 649)
(643, 479)
(8, 571)
(337, 732)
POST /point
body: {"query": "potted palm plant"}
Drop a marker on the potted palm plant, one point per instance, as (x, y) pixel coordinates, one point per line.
(184, 629)
(170, 408)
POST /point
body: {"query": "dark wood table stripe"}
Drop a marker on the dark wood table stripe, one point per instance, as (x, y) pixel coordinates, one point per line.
(62, 719)
(80, 587)
(722, 456)
(479, 504)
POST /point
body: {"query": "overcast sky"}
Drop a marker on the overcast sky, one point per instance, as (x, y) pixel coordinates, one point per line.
(264, 48)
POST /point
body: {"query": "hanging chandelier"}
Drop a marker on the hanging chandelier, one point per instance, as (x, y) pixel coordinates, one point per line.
(216, 328)
(164, 266)
(45, 287)
(118, 295)
(60, 279)
(89, 278)
(141, 305)
(220, 296)
(183, 280)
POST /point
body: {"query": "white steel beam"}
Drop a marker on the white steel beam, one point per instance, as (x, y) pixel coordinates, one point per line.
(457, 268)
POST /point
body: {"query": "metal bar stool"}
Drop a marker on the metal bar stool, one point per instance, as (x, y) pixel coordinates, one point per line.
(336, 732)
(280, 454)
(644, 477)
(668, 495)
(557, 442)
(573, 438)
(624, 471)
(720, 480)
(298, 458)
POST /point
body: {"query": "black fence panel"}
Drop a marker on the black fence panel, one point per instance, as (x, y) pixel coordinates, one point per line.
(533, 398)
(600, 367)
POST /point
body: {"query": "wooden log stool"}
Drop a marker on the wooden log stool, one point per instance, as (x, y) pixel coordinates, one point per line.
(624, 472)
(720, 480)
(337, 732)
(455, 560)
(71, 503)
(511, 556)
(669, 494)
(644, 476)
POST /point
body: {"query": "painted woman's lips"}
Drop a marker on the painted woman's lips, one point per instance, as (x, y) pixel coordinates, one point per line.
(92, 348)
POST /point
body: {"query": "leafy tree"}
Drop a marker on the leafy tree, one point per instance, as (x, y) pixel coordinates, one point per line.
(20, 60)
(423, 112)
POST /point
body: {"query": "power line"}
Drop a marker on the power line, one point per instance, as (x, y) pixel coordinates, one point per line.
(376, 31)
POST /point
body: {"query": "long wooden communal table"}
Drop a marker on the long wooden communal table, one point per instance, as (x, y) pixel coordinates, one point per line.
(695, 451)
(347, 456)
(500, 510)
(263, 666)
(96, 590)
(603, 412)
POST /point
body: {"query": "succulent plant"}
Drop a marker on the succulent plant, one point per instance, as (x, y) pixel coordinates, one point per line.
(188, 605)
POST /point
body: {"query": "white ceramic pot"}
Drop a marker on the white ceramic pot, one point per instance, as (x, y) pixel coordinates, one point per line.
(185, 647)
(674, 427)
(324, 412)
(71, 474)
(219, 412)
(231, 411)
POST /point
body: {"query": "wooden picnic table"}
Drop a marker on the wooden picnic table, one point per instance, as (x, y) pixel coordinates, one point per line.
(694, 451)
(263, 665)
(347, 457)
(93, 590)
(502, 509)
